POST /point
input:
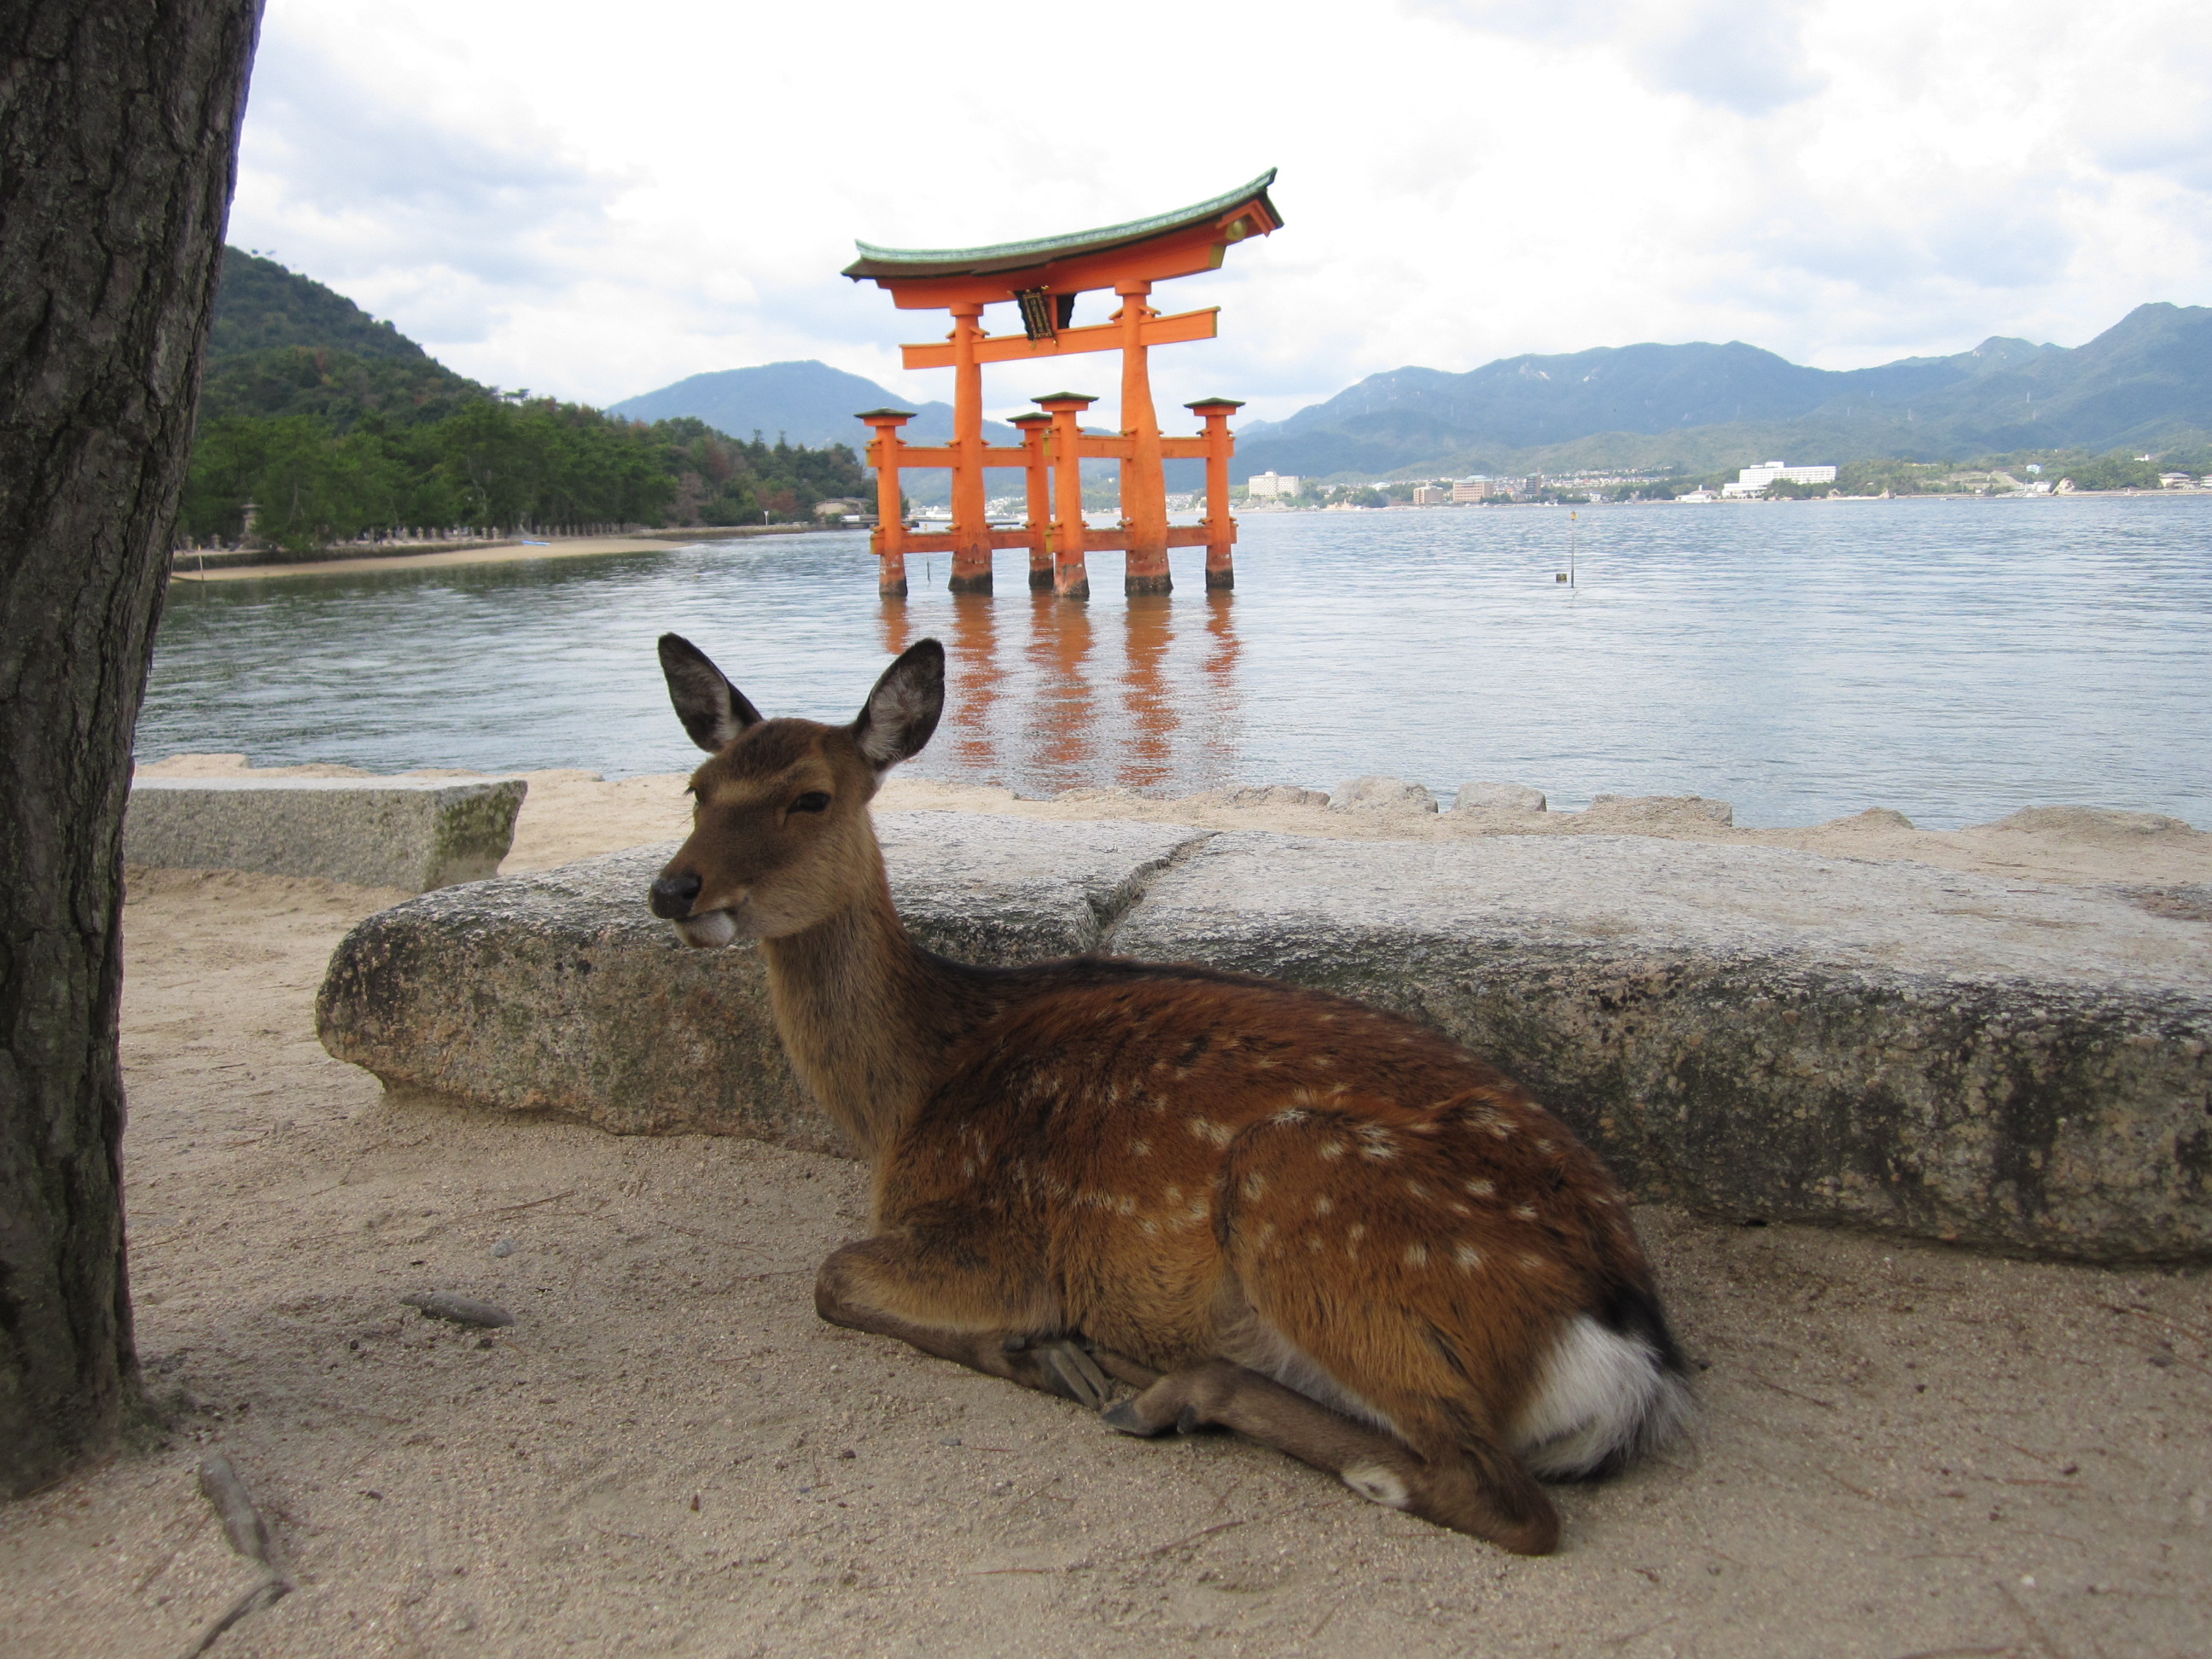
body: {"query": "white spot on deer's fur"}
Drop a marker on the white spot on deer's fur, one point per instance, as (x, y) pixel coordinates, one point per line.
(1481, 1189)
(1458, 1208)
(1417, 1190)
(1358, 1229)
(1313, 1242)
(1547, 1147)
(1264, 1234)
(1531, 1260)
(1140, 1149)
(1291, 1114)
(1174, 1194)
(1149, 1225)
(1378, 1486)
(1255, 1184)
(968, 1166)
(1323, 1205)
(1600, 1393)
(1205, 1129)
(1332, 1149)
(1468, 1258)
(1524, 1211)
(1417, 1255)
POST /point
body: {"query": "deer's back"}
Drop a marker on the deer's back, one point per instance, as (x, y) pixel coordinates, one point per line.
(1141, 1135)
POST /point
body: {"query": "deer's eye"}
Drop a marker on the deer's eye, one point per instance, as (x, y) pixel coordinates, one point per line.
(812, 801)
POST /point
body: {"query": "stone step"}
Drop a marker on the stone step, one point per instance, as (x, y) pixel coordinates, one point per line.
(1754, 1031)
(415, 835)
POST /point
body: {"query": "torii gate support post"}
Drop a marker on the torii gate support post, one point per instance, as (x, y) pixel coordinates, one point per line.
(1144, 491)
(1071, 577)
(1036, 468)
(971, 525)
(1221, 528)
(889, 539)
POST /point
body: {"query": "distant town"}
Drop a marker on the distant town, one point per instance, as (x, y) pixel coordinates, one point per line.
(1775, 480)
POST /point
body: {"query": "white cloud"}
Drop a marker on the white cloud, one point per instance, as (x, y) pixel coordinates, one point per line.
(595, 203)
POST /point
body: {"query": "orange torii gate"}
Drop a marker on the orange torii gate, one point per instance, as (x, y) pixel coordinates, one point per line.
(1043, 278)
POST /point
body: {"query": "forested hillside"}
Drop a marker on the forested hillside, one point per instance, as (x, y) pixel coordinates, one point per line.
(336, 426)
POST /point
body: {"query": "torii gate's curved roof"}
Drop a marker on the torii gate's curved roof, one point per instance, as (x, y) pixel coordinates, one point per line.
(893, 262)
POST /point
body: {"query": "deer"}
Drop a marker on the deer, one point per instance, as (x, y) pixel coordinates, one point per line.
(1258, 1207)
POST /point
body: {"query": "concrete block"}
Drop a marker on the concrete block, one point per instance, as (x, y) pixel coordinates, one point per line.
(1373, 793)
(375, 832)
(1753, 1031)
(1498, 798)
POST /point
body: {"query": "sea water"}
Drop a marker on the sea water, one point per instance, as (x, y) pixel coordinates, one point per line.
(1955, 660)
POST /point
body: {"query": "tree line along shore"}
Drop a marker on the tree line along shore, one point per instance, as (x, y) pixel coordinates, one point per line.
(320, 425)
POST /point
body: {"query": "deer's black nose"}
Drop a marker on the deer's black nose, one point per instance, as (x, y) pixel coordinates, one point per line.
(672, 895)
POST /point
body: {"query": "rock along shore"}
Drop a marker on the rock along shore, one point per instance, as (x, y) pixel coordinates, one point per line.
(1756, 1032)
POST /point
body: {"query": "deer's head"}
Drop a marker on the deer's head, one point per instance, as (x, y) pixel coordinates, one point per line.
(780, 836)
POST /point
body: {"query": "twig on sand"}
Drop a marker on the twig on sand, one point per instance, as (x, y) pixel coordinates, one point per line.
(549, 1198)
(248, 1532)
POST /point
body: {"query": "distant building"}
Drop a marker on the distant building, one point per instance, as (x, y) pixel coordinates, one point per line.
(1469, 490)
(1697, 496)
(2174, 481)
(839, 507)
(1431, 495)
(1752, 479)
(1274, 485)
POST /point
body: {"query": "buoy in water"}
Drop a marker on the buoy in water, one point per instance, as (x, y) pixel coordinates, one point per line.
(1560, 576)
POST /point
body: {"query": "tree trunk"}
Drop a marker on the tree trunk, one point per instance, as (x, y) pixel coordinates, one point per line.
(118, 139)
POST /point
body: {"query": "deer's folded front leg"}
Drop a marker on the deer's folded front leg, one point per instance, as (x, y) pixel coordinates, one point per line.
(938, 1297)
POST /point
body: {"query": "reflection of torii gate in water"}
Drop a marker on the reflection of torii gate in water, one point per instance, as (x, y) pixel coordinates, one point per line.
(1043, 278)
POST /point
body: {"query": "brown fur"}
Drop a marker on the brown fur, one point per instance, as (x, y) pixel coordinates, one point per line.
(1184, 1169)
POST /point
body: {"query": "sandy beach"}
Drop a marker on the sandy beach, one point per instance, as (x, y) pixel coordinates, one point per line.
(1904, 1450)
(515, 552)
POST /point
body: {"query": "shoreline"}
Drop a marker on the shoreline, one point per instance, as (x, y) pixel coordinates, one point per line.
(571, 813)
(428, 556)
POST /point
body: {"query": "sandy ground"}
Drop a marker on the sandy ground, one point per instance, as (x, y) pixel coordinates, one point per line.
(1904, 1450)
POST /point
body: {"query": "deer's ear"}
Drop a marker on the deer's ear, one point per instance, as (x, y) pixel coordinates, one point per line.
(712, 709)
(903, 710)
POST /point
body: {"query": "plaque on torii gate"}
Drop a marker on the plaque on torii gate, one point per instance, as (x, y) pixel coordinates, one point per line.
(1042, 277)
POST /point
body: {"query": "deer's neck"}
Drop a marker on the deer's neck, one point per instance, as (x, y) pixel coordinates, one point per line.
(866, 1016)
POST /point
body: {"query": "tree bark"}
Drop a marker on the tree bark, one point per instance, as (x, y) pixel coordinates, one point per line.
(119, 141)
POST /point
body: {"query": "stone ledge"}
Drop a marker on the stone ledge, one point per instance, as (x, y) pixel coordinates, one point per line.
(373, 832)
(1754, 1031)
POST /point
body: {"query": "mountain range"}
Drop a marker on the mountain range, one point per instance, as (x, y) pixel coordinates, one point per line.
(2145, 383)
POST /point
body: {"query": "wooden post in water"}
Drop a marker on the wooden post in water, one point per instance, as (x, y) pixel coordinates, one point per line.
(889, 539)
(1220, 527)
(1144, 488)
(971, 525)
(1036, 467)
(1071, 577)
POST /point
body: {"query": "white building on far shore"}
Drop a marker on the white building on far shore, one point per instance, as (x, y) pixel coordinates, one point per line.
(1274, 485)
(1752, 479)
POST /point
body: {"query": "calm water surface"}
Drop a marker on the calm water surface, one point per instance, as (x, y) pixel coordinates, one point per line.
(1953, 659)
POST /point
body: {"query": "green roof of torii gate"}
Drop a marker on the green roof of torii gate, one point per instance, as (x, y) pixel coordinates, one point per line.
(1013, 256)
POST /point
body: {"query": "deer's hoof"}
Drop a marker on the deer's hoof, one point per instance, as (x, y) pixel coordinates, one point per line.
(1125, 1418)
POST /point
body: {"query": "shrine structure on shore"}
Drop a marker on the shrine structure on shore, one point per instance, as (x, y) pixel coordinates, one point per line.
(1042, 278)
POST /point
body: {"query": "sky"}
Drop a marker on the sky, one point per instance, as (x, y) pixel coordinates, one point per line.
(593, 202)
